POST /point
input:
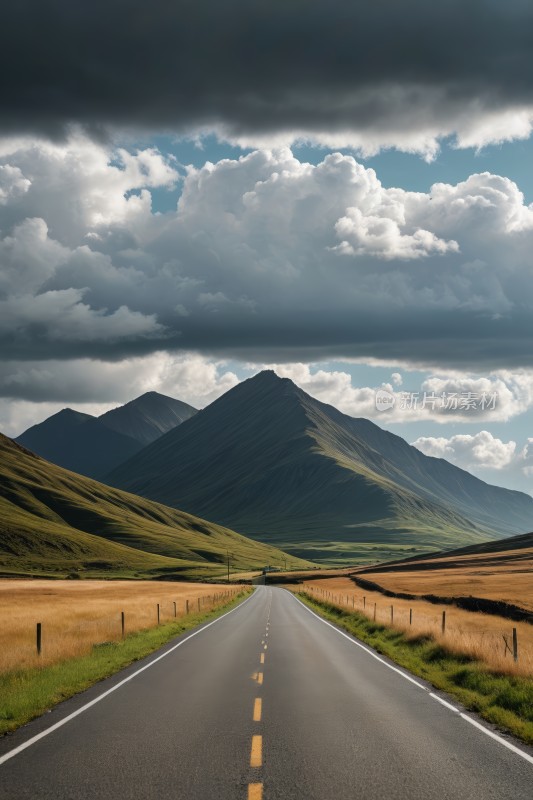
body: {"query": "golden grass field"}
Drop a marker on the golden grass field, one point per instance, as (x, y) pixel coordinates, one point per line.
(470, 633)
(504, 579)
(75, 616)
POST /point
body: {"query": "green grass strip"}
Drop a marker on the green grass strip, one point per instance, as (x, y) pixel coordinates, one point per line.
(504, 700)
(26, 694)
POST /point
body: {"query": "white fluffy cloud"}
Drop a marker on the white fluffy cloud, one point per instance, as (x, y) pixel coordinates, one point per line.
(13, 184)
(484, 455)
(470, 451)
(264, 258)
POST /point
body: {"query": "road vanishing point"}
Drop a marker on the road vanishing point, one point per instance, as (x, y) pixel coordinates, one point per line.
(267, 702)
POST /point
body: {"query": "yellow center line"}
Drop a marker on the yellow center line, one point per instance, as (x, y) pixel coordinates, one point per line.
(265, 647)
(262, 658)
(258, 708)
(255, 791)
(256, 755)
(260, 678)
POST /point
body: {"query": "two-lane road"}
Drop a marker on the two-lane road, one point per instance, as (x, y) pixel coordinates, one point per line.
(268, 703)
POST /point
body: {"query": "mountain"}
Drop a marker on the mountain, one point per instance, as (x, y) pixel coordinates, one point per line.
(148, 417)
(88, 447)
(280, 466)
(95, 445)
(54, 521)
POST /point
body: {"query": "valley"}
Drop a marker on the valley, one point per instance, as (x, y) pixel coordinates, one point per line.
(56, 523)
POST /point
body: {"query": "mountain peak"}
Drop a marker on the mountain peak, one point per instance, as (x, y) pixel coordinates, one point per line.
(270, 460)
(267, 377)
(147, 417)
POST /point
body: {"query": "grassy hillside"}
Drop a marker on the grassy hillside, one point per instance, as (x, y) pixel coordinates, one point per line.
(312, 480)
(54, 521)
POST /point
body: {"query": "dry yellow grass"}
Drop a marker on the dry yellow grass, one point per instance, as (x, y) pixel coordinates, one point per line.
(474, 634)
(511, 582)
(77, 615)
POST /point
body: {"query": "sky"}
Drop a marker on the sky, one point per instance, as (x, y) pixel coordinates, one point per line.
(192, 192)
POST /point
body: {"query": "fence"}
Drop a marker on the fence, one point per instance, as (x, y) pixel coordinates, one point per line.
(471, 633)
(67, 636)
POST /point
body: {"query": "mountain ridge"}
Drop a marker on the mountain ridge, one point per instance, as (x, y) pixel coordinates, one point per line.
(93, 446)
(307, 473)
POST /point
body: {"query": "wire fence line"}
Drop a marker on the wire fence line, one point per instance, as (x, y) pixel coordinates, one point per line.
(500, 646)
(40, 643)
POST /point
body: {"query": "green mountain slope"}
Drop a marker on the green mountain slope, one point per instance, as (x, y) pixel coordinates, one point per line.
(269, 460)
(52, 520)
(95, 445)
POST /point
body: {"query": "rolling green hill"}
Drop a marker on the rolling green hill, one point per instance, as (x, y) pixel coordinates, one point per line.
(54, 522)
(271, 461)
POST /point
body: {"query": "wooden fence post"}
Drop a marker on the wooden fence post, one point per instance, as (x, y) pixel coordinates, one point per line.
(122, 622)
(186, 606)
(392, 614)
(198, 604)
(175, 609)
(158, 614)
(375, 604)
(39, 638)
(444, 622)
(515, 645)
(410, 616)
(364, 601)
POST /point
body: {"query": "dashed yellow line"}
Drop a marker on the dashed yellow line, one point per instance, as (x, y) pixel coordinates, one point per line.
(258, 708)
(262, 658)
(255, 791)
(256, 755)
(260, 678)
(265, 647)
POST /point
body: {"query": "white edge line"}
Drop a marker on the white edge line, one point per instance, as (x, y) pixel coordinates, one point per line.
(499, 739)
(472, 721)
(362, 646)
(79, 711)
(444, 702)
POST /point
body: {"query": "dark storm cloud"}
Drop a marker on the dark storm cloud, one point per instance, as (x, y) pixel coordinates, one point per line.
(388, 67)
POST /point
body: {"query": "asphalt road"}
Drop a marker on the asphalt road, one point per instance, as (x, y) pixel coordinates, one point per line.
(266, 703)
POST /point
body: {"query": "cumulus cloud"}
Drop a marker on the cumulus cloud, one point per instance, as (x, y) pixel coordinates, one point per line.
(346, 73)
(265, 258)
(470, 451)
(13, 184)
(381, 236)
(484, 454)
